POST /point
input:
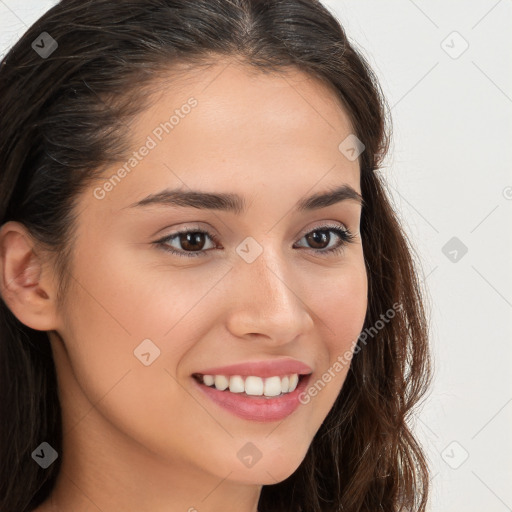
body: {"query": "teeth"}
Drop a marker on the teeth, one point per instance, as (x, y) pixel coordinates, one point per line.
(294, 380)
(236, 384)
(221, 382)
(285, 384)
(272, 386)
(209, 380)
(252, 385)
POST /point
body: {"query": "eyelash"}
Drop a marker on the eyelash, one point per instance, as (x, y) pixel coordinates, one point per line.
(345, 235)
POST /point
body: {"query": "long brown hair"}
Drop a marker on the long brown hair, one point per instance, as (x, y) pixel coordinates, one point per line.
(64, 118)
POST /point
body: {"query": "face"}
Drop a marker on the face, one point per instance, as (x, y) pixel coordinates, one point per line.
(267, 282)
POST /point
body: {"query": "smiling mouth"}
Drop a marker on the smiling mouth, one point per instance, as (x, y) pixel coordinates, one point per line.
(252, 386)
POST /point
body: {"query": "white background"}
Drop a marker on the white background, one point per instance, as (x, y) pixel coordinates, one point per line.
(449, 174)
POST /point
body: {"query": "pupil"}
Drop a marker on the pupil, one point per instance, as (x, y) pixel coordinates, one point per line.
(318, 237)
(191, 241)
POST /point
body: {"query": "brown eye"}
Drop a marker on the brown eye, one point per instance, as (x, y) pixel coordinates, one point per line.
(320, 238)
(192, 241)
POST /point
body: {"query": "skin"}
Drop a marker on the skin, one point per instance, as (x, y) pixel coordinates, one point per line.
(143, 437)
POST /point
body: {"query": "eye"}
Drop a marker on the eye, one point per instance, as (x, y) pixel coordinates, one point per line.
(320, 236)
(192, 241)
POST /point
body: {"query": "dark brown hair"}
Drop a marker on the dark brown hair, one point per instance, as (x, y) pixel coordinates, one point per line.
(64, 118)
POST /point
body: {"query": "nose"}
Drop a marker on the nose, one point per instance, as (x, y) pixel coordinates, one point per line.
(269, 301)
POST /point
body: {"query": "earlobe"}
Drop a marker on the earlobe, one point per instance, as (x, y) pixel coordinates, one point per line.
(23, 286)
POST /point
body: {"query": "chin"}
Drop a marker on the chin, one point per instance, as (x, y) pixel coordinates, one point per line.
(268, 470)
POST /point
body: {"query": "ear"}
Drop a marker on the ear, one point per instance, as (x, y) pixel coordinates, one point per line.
(26, 285)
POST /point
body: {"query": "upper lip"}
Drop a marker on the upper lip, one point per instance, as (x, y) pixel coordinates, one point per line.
(268, 368)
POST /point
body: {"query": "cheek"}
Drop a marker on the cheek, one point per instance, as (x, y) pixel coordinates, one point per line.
(111, 309)
(109, 315)
(340, 301)
(117, 304)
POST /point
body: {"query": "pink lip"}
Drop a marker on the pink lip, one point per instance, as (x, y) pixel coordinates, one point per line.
(270, 368)
(256, 408)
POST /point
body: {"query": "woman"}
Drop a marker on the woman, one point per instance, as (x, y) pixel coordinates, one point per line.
(207, 300)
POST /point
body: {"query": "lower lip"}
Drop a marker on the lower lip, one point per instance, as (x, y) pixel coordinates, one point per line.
(256, 408)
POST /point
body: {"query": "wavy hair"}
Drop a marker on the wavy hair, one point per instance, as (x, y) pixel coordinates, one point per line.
(64, 118)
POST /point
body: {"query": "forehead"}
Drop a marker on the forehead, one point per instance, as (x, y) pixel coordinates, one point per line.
(238, 100)
(228, 126)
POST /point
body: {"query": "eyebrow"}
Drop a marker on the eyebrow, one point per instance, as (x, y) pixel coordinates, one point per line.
(234, 203)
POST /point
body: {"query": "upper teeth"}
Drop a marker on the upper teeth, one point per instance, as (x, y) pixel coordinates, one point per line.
(271, 386)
